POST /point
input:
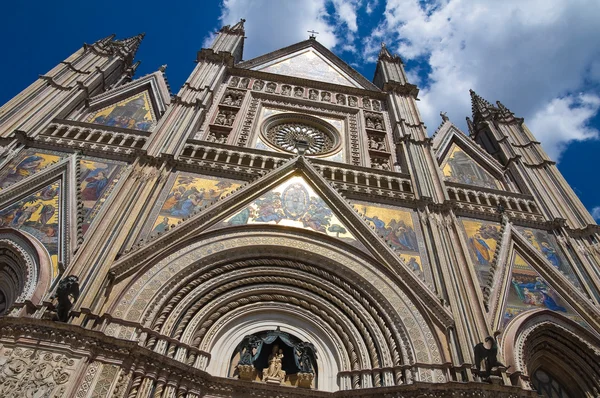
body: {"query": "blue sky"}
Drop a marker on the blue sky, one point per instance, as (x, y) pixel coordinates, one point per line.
(541, 58)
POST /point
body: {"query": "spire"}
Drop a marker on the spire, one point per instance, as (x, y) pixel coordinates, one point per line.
(237, 29)
(106, 40)
(130, 45)
(505, 112)
(479, 106)
(384, 54)
(471, 127)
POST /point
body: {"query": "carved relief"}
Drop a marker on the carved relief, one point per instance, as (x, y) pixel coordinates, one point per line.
(286, 90)
(374, 121)
(258, 85)
(234, 81)
(377, 143)
(366, 103)
(233, 98)
(352, 101)
(33, 373)
(340, 99)
(376, 105)
(271, 87)
(244, 83)
(298, 92)
(225, 117)
(380, 163)
(325, 96)
(313, 95)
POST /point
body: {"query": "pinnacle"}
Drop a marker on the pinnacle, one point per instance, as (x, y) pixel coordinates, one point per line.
(238, 28)
(479, 106)
(131, 44)
(384, 52)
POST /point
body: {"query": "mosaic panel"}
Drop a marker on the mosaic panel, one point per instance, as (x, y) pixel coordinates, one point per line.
(482, 239)
(546, 244)
(38, 214)
(189, 194)
(401, 229)
(460, 167)
(528, 290)
(26, 164)
(294, 204)
(133, 113)
(97, 182)
(309, 65)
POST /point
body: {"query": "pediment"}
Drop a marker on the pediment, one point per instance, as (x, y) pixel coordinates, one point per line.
(312, 61)
(293, 197)
(525, 278)
(136, 105)
(462, 161)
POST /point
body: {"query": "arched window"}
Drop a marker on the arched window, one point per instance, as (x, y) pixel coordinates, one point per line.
(547, 385)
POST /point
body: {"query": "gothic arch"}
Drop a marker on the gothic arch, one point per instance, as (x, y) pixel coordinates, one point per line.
(25, 268)
(544, 340)
(194, 294)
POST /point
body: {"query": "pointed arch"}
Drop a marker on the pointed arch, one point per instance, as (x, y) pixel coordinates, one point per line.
(25, 269)
(544, 340)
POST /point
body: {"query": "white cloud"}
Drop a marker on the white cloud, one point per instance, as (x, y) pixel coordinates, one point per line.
(596, 213)
(563, 120)
(271, 25)
(531, 55)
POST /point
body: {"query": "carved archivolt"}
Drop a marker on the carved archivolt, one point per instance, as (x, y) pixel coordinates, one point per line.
(20, 271)
(545, 339)
(190, 291)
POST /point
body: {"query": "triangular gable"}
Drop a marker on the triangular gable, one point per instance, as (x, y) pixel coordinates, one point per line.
(135, 112)
(38, 207)
(26, 164)
(521, 266)
(528, 290)
(293, 204)
(309, 60)
(459, 167)
(204, 220)
(135, 105)
(463, 161)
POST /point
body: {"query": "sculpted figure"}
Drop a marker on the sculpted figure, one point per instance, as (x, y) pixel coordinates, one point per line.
(67, 288)
(341, 100)
(488, 354)
(286, 90)
(313, 95)
(271, 87)
(352, 101)
(274, 370)
(325, 96)
(298, 91)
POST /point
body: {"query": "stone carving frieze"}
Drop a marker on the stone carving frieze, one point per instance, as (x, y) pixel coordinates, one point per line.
(33, 373)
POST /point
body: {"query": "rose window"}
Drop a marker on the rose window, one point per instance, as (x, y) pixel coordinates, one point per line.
(285, 131)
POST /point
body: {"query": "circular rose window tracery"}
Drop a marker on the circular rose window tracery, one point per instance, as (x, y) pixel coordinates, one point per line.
(286, 130)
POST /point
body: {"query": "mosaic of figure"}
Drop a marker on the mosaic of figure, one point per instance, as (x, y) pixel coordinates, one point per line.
(546, 244)
(190, 194)
(97, 182)
(528, 290)
(271, 87)
(352, 101)
(38, 215)
(258, 85)
(294, 203)
(313, 95)
(340, 99)
(398, 228)
(234, 81)
(482, 239)
(132, 113)
(459, 167)
(26, 164)
(366, 103)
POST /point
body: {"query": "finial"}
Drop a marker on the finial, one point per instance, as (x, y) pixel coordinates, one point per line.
(163, 68)
(444, 116)
(312, 34)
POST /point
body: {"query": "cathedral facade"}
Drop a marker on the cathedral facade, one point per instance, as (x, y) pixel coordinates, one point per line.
(283, 227)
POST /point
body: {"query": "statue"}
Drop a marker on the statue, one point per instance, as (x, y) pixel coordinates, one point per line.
(303, 353)
(67, 287)
(246, 349)
(274, 372)
(487, 354)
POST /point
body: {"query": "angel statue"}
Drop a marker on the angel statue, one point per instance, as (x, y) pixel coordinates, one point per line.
(303, 353)
(67, 288)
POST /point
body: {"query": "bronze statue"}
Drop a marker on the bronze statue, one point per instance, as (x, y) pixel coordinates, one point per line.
(246, 349)
(67, 288)
(487, 354)
(303, 352)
